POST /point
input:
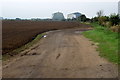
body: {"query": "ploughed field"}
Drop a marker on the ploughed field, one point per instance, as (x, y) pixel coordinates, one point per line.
(18, 33)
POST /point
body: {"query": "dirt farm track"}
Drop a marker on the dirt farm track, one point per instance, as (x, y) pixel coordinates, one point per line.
(61, 54)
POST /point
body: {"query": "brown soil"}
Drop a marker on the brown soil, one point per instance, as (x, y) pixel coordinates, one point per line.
(62, 54)
(17, 33)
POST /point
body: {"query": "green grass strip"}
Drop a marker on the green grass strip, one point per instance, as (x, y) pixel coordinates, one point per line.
(108, 42)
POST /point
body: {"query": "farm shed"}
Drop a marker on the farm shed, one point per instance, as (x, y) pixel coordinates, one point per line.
(58, 16)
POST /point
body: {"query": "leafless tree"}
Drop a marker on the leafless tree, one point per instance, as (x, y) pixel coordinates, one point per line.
(100, 13)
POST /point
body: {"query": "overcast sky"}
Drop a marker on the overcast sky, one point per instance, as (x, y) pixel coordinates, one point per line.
(45, 8)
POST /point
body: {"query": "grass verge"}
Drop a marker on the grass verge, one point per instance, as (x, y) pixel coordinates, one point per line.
(108, 42)
(26, 46)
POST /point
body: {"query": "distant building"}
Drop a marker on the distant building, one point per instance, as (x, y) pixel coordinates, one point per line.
(119, 8)
(1, 18)
(58, 16)
(73, 15)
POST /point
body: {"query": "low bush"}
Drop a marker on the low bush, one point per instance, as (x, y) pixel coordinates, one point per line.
(114, 19)
(115, 28)
(102, 20)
